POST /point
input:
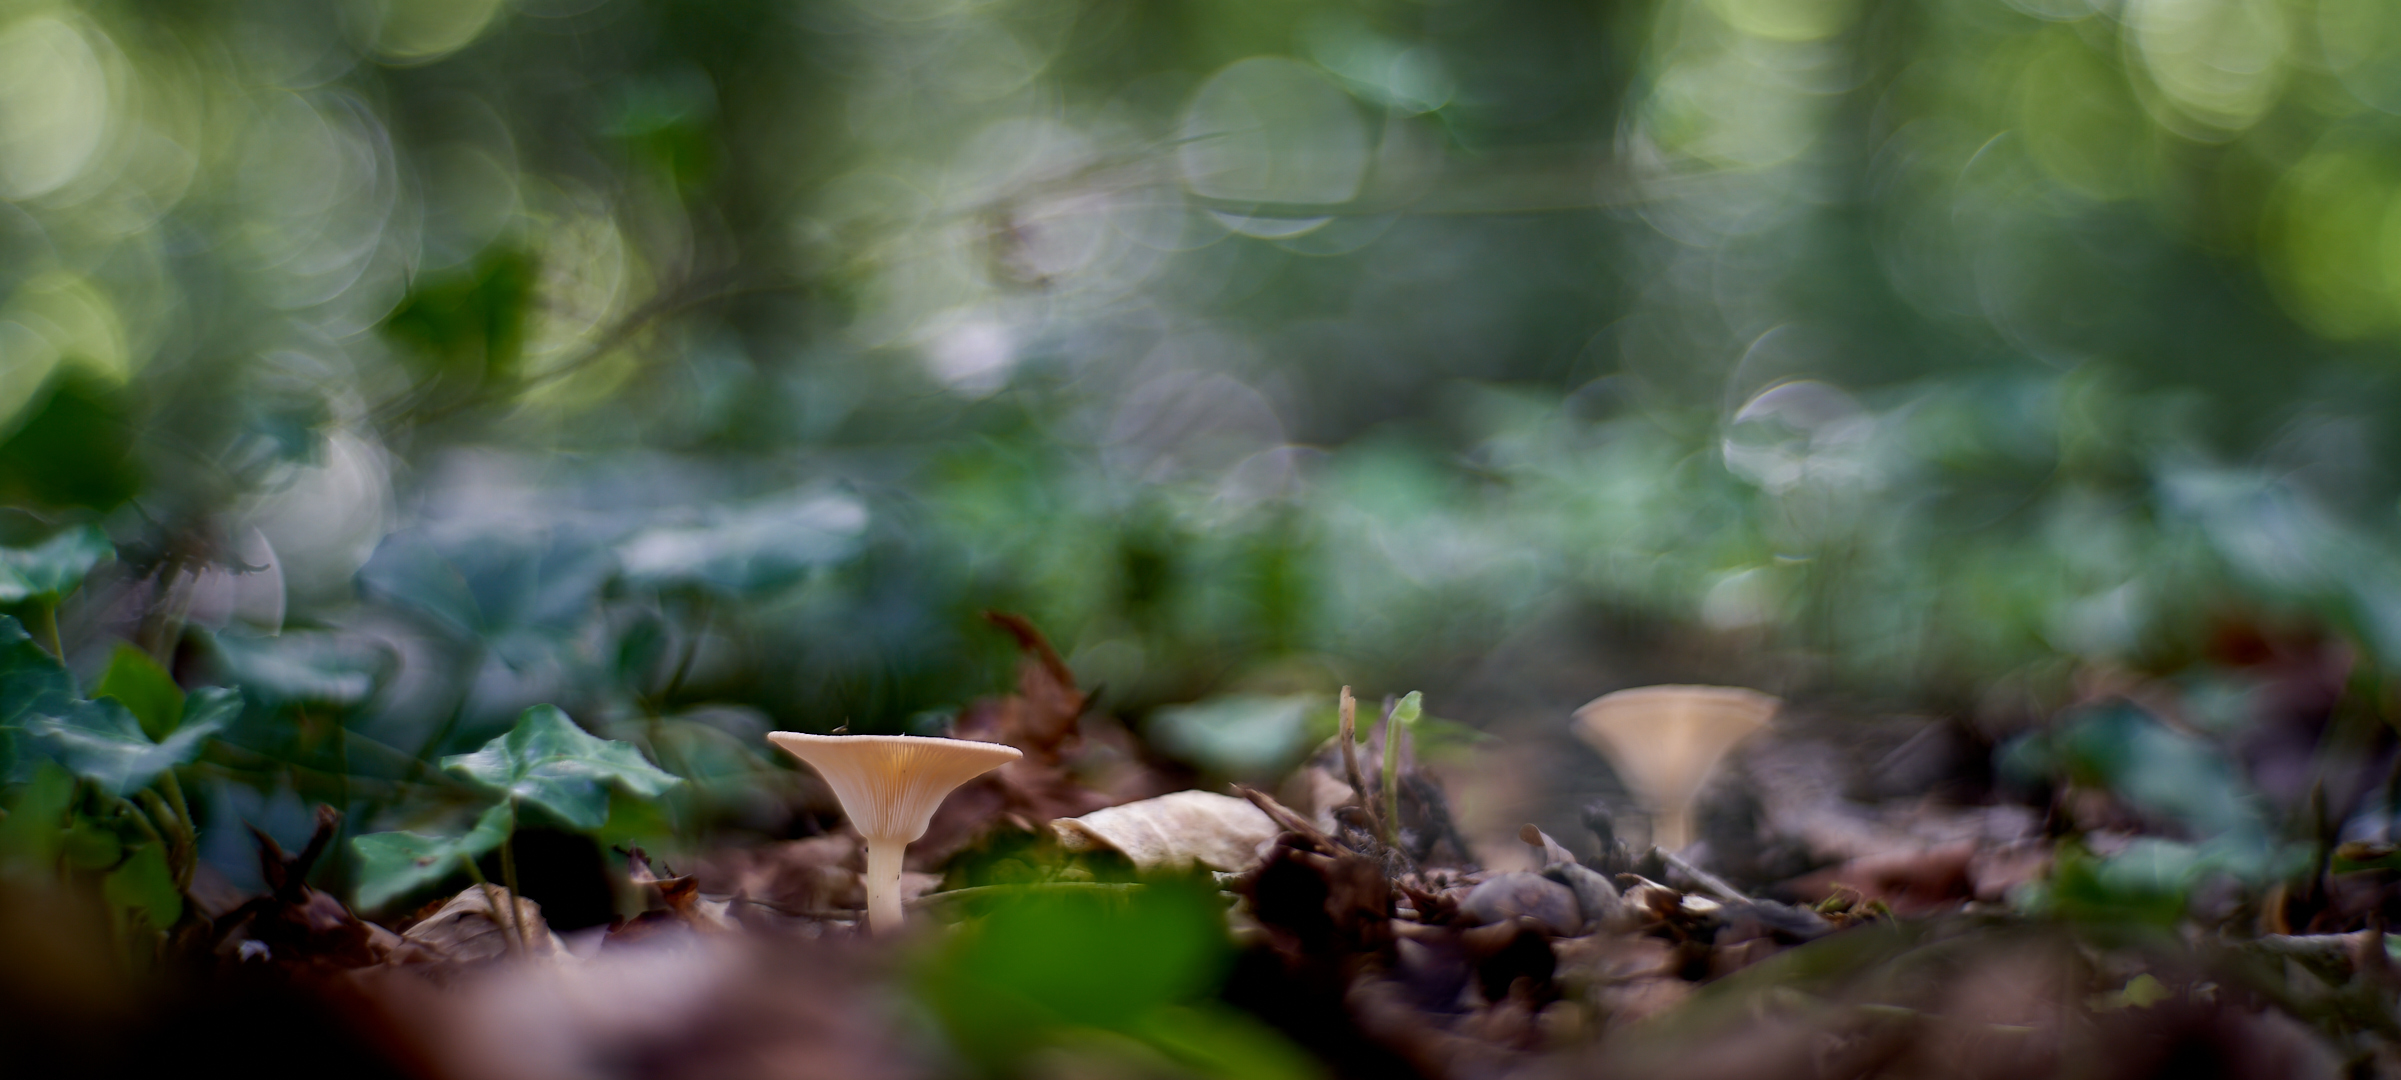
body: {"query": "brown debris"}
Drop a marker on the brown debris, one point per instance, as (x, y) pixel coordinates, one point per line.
(1042, 719)
(298, 925)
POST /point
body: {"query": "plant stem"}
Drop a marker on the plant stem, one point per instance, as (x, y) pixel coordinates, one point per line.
(1394, 721)
(492, 904)
(508, 873)
(883, 886)
(1350, 760)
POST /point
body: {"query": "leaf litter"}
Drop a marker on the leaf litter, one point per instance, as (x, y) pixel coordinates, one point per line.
(1072, 918)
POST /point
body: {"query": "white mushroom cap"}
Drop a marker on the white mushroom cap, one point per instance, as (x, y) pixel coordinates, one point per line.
(1663, 740)
(890, 785)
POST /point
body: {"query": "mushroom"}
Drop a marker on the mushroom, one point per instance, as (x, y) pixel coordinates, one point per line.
(889, 786)
(1663, 740)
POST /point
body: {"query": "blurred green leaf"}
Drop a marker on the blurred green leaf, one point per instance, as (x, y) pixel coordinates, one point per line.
(2179, 777)
(54, 567)
(392, 864)
(32, 683)
(1223, 1042)
(1242, 735)
(745, 549)
(37, 820)
(470, 321)
(88, 846)
(101, 741)
(306, 667)
(548, 761)
(144, 688)
(76, 450)
(145, 885)
(1046, 964)
(2147, 885)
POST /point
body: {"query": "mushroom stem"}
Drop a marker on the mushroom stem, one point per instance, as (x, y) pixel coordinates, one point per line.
(883, 885)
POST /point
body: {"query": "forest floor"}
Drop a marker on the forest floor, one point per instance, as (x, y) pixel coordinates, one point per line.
(1862, 897)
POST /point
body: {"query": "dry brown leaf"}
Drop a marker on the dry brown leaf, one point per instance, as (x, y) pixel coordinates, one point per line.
(469, 928)
(1174, 831)
(1042, 720)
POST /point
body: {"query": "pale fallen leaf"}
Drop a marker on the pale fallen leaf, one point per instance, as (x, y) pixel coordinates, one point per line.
(469, 928)
(1174, 831)
(1663, 740)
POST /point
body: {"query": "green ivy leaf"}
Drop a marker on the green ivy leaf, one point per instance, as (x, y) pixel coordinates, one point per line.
(144, 885)
(145, 688)
(310, 667)
(102, 742)
(548, 761)
(52, 568)
(391, 864)
(32, 683)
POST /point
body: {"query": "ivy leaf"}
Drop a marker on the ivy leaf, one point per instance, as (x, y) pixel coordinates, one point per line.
(311, 667)
(32, 683)
(145, 885)
(145, 688)
(548, 761)
(54, 567)
(102, 742)
(746, 549)
(391, 864)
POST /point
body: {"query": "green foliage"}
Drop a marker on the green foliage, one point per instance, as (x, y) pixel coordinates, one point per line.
(33, 685)
(1251, 737)
(75, 450)
(102, 742)
(144, 688)
(545, 761)
(144, 885)
(548, 761)
(2180, 778)
(1142, 964)
(393, 864)
(52, 568)
(2147, 885)
(470, 321)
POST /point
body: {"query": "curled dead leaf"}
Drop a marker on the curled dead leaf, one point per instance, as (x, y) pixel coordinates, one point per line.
(1174, 831)
(469, 928)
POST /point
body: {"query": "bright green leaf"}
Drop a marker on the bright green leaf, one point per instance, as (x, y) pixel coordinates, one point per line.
(548, 761)
(89, 846)
(391, 864)
(54, 567)
(145, 688)
(145, 885)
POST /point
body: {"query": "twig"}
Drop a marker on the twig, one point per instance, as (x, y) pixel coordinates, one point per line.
(1709, 883)
(508, 873)
(1350, 759)
(1291, 822)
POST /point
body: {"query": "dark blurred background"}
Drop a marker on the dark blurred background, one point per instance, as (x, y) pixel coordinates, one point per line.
(708, 367)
